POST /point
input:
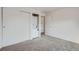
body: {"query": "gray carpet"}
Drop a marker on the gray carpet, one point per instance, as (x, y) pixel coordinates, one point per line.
(46, 43)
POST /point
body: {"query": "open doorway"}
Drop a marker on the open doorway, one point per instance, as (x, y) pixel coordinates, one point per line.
(42, 25)
(35, 26)
(37, 23)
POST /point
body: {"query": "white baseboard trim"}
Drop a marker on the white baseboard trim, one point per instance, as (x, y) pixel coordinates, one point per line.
(63, 38)
(5, 45)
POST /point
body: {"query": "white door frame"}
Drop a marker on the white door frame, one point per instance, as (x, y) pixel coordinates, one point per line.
(43, 24)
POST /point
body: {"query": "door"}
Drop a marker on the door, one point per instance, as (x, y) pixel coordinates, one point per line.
(35, 26)
(15, 26)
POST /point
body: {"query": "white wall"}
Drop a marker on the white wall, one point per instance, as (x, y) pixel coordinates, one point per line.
(16, 26)
(64, 24)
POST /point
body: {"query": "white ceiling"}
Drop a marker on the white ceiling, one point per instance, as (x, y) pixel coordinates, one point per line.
(46, 9)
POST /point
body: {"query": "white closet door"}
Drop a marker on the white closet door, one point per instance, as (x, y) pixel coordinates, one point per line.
(16, 26)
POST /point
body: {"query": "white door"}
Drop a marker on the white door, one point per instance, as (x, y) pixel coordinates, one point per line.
(15, 26)
(35, 26)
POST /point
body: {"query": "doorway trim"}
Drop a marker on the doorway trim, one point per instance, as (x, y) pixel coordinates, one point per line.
(44, 25)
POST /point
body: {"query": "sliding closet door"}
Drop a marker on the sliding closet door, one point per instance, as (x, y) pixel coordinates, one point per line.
(16, 26)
